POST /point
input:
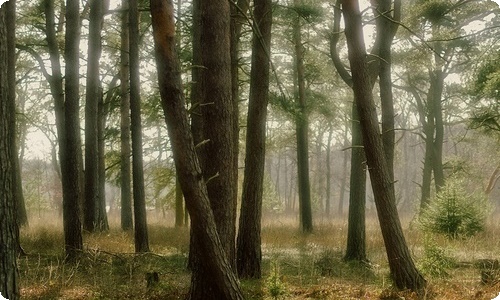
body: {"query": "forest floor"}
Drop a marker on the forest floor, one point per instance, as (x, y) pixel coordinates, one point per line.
(295, 266)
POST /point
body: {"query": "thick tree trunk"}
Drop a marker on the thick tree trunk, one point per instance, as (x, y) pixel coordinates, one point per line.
(125, 168)
(141, 227)
(91, 203)
(213, 254)
(249, 253)
(69, 145)
(403, 270)
(9, 243)
(217, 154)
(302, 133)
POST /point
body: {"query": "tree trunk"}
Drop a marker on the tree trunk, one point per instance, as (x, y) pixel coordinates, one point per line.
(91, 204)
(249, 253)
(102, 217)
(125, 168)
(328, 193)
(386, 29)
(9, 274)
(140, 228)
(213, 254)
(179, 204)
(356, 229)
(21, 216)
(69, 141)
(302, 133)
(403, 270)
(217, 153)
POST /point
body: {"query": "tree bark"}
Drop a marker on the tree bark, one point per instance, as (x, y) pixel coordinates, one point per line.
(140, 228)
(217, 267)
(91, 221)
(249, 253)
(125, 168)
(356, 229)
(302, 132)
(403, 270)
(69, 145)
(9, 243)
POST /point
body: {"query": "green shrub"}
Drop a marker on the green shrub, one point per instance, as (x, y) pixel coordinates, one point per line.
(455, 212)
(436, 262)
(275, 285)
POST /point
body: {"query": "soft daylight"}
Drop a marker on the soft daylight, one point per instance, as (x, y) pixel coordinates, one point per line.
(250, 149)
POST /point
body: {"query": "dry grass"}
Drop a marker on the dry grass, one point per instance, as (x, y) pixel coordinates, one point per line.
(308, 266)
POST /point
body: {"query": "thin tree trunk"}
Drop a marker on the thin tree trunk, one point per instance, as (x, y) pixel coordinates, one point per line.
(249, 253)
(213, 253)
(328, 196)
(302, 133)
(356, 232)
(102, 217)
(140, 218)
(125, 168)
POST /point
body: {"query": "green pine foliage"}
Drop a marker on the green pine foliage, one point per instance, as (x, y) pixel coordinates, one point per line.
(454, 212)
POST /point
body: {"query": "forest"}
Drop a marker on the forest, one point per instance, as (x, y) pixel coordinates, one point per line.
(265, 149)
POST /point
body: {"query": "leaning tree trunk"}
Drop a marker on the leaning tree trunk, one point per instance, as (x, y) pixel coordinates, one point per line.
(403, 270)
(249, 253)
(213, 255)
(9, 274)
(141, 227)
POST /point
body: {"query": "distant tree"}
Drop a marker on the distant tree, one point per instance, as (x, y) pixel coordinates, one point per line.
(9, 274)
(69, 140)
(212, 253)
(125, 168)
(249, 253)
(140, 226)
(403, 270)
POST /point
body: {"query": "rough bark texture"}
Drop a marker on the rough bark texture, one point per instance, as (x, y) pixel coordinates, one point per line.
(91, 220)
(69, 146)
(179, 204)
(302, 132)
(217, 154)
(141, 227)
(356, 230)
(249, 253)
(403, 270)
(125, 168)
(213, 255)
(9, 275)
